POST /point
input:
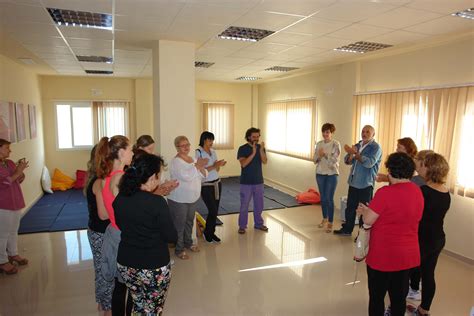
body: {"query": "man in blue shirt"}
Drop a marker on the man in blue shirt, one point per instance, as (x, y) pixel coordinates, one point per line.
(251, 156)
(364, 158)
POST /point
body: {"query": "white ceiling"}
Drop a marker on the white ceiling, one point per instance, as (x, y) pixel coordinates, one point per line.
(306, 31)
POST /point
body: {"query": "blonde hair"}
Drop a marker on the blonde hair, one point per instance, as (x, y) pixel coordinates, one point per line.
(421, 155)
(179, 139)
(437, 168)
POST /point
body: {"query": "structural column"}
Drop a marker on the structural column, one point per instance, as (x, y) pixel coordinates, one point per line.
(174, 107)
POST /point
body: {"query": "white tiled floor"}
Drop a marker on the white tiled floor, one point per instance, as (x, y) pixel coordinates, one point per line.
(59, 278)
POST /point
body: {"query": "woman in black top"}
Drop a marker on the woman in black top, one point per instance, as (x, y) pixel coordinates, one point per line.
(430, 233)
(98, 221)
(144, 219)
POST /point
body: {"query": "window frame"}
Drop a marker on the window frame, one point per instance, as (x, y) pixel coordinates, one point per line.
(314, 120)
(73, 104)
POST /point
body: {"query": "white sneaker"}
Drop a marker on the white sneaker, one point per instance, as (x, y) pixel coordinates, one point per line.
(414, 295)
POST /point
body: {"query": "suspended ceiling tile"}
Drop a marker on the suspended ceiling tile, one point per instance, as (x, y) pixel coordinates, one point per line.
(87, 33)
(358, 32)
(398, 37)
(327, 42)
(353, 11)
(441, 6)
(443, 25)
(401, 18)
(299, 7)
(317, 26)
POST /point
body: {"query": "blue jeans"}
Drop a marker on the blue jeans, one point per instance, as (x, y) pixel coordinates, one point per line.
(327, 186)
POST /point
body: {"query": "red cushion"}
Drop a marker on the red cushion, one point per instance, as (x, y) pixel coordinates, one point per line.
(309, 197)
(81, 178)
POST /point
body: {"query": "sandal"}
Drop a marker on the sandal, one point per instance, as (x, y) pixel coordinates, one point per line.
(329, 228)
(182, 255)
(8, 268)
(194, 248)
(19, 260)
(323, 222)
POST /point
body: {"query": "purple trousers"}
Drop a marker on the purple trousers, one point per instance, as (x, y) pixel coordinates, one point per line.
(247, 192)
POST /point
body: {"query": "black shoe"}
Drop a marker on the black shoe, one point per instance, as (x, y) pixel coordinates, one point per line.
(209, 240)
(216, 239)
(341, 232)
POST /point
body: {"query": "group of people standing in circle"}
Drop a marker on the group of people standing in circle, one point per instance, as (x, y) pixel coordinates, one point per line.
(131, 223)
(405, 217)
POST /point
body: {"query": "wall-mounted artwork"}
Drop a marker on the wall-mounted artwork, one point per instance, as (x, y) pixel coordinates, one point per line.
(20, 122)
(7, 121)
(32, 118)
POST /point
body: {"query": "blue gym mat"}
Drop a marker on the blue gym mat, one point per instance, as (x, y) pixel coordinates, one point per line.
(67, 210)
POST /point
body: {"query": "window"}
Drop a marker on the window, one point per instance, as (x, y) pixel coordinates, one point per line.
(81, 124)
(290, 127)
(437, 119)
(218, 118)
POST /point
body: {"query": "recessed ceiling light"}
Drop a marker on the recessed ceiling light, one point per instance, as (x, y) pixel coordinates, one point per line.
(95, 59)
(467, 14)
(99, 72)
(81, 18)
(362, 47)
(27, 61)
(202, 64)
(245, 78)
(244, 34)
(281, 68)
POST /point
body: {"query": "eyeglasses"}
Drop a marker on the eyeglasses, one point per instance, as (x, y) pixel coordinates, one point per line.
(184, 145)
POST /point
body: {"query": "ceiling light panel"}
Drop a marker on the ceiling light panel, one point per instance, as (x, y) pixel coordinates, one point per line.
(99, 72)
(244, 34)
(362, 47)
(81, 18)
(281, 68)
(202, 64)
(245, 78)
(95, 59)
(467, 14)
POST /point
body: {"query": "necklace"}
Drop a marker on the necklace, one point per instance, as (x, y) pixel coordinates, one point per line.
(4, 163)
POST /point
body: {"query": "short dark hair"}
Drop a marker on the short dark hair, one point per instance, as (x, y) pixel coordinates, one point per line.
(250, 131)
(400, 166)
(4, 142)
(139, 172)
(205, 135)
(328, 127)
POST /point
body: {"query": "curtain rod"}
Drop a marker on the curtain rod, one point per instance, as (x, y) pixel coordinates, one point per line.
(300, 99)
(417, 89)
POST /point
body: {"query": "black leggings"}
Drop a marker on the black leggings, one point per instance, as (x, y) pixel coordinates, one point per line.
(396, 283)
(118, 300)
(429, 259)
(208, 195)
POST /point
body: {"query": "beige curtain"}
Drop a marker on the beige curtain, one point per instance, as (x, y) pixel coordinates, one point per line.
(218, 118)
(110, 118)
(437, 119)
(290, 127)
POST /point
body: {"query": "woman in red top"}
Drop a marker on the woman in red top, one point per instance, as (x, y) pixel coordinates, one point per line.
(394, 214)
(112, 156)
(11, 203)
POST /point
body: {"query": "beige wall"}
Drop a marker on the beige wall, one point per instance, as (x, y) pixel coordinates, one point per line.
(17, 84)
(445, 64)
(240, 94)
(448, 64)
(57, 88)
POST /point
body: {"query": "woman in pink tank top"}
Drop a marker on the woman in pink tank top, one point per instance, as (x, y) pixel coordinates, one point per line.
(112, 155)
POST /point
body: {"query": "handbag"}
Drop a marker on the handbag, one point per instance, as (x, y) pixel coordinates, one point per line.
(361, 248)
